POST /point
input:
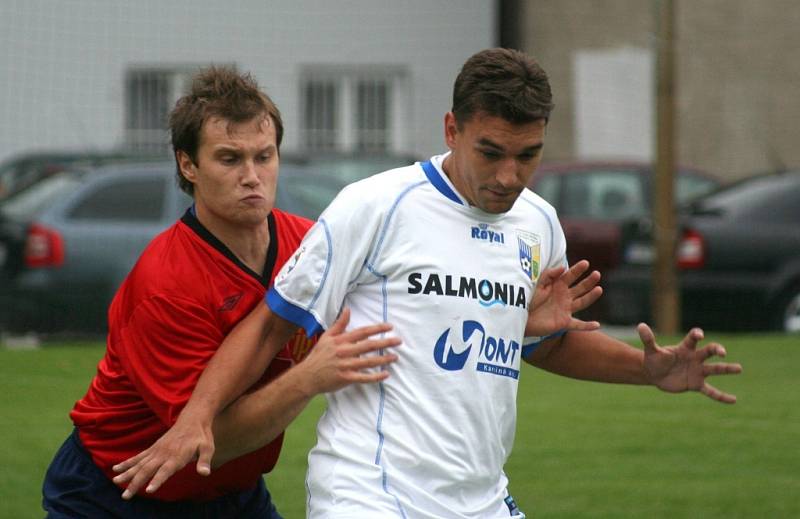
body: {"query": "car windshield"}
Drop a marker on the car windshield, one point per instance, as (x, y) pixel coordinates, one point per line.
(26, 203)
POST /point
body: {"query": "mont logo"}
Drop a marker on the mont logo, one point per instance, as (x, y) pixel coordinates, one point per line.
(482, 232)
(495, 355)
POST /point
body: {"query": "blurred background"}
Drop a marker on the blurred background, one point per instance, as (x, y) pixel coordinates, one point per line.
(363, 85)
(86, 85)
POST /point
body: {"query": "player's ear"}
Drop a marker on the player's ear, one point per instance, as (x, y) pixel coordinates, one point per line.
(450, 130)
(187, 166)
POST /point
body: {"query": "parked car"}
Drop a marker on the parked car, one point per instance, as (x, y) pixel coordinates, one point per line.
(594, 198)
(68, 241)
(23, 170)
(738, 259)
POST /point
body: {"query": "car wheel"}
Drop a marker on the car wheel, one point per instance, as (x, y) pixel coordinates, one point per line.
(789, 311)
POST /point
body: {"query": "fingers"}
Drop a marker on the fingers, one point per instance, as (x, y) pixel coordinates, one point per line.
(712, 350)
(139, 479)
(340, 324)
(721, 369)
(576, 271)
(694, 336)
(367, 346)
(647, 337)
(359, 334)
(130, 462)
(715, 394)
(550, 275)
(204, 455)
(164, 472)
(585, 284)
(583, 326)
(587, 300)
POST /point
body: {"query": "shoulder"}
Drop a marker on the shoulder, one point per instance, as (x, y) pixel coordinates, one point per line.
(531, 202)
(383, 189)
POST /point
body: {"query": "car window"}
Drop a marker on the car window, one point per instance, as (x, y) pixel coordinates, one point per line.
(304, 192)
(24, 204)
(758, 198)
(609, 195)
(783, 206)
(689, 187)
(129, 199)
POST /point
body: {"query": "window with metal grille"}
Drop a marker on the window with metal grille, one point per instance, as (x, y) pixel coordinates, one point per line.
(150, 93)
(353, 108)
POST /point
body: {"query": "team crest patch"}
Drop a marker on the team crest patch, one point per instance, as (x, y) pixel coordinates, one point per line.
(529, 254)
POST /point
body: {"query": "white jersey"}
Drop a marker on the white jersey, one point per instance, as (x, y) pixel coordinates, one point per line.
(405, 248)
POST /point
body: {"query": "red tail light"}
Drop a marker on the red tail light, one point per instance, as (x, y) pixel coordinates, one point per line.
(44, 247)
(691, 250)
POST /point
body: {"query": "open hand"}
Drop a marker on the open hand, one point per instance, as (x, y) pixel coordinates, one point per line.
(682, 367)
(556, 299)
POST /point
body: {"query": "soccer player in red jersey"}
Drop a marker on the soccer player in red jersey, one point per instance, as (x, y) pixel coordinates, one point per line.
(192, 284)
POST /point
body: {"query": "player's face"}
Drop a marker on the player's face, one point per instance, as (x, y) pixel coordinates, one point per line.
(236, 174)
(492, 159)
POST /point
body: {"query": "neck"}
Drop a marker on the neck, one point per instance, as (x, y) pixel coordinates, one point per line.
(249, 243)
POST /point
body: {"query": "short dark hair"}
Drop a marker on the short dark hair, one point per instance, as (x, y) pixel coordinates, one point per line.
(217, 91)
(503, 83)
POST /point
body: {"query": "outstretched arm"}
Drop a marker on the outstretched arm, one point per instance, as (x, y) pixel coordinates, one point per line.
(596, 356)
(558, 295)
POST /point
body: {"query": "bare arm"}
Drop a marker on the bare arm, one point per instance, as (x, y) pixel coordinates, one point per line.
(675, 369)
(593, 356)
(238, 363)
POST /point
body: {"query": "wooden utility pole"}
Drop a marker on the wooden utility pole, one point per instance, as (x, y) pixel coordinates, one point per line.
(665, 297)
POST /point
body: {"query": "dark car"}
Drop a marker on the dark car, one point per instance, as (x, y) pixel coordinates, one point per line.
(593, 199)
(738, 259)
(68, 241)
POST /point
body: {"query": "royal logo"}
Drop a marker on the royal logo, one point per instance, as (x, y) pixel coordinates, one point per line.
(529, 254)
(487, 293)
(482, 232)
(496, 355)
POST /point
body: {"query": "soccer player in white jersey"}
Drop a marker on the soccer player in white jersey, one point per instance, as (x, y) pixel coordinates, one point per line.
(451, 253)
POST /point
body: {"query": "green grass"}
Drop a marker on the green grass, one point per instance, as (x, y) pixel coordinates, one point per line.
(582, 449)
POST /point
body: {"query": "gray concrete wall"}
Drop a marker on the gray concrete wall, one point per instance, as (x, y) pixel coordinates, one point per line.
(738, 73)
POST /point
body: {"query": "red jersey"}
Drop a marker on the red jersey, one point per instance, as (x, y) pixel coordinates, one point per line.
(183, 296)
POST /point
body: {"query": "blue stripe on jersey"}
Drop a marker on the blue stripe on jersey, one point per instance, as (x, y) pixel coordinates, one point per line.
(292, 313)
(436, 179)
(371, 260)
(328, 260)
(385, 297)
(527, 349)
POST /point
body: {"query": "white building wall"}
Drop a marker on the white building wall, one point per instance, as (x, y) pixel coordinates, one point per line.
(63, 62)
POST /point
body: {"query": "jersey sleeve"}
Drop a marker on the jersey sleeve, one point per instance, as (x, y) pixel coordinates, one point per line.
(558, 258)
(164, 347)
(332, 258)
